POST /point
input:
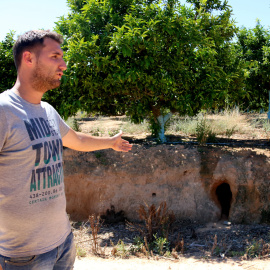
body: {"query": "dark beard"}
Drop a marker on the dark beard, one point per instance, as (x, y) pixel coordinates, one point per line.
(42, 82)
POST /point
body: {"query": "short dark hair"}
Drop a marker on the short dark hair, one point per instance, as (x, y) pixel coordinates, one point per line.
(30, 40)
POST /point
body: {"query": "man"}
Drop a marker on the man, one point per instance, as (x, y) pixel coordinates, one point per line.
(35, 232)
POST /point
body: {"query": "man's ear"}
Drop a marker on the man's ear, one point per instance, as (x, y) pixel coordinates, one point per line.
(27, 58)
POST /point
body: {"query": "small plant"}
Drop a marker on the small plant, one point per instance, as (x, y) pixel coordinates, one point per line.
(259, 248)
(233, 253)
(138, 245)
(227, 122)
(212, 138)
(266, 128)
(186, 124)
(179, 245)
(112, 132)
(80, 252)
(73, 123)
(101, 157)
(230, 131)
(201, 131)
(95, 225)
(160, 245)
(214, 245)
(96, 132)
(155, 229)
(120, 249)
(156, 221)
(133, 128)
(76, 126)
(204, 133)
(146, 249)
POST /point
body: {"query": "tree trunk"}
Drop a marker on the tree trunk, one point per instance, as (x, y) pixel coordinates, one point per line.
(162, 119)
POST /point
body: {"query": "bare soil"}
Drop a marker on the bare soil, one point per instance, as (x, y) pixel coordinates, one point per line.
(161, 264)
(236, 248)
(210, 246)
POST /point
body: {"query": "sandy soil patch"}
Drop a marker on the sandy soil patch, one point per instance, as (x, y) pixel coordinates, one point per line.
(181, 264)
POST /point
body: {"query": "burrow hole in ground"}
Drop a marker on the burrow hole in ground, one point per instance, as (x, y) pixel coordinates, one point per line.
(224, 196)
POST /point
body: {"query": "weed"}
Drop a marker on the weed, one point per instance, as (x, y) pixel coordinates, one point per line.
(230, 131)
(69, 121)
(96, 132)
(186, 124)
(95, 225)
(75, 125)
(146, 249)
(266, 128)
(160, 245)
(212, 138)
(233, 253)
(101, 157)
(226, 123)
(213, 250)
(138, 245)
(204, 132)
(156, 221)
(155, 229)
(81, 252)
(132, 128)
(167, 254)
(120, 249)
(179, 245)
(259, 248)
(113, 132)
(174, 253)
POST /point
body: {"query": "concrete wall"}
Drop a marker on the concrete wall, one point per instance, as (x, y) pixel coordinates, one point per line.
(186, 177)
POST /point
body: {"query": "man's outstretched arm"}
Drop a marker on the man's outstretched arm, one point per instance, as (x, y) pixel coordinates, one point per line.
(84, 142)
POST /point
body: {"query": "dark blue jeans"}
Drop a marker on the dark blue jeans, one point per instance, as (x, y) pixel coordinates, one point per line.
(60, 258)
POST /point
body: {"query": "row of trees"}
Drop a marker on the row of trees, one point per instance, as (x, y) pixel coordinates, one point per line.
(152, 58)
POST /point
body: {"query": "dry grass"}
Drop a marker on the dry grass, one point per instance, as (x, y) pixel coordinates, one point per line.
(230, 123)
(95, 225)
(87, 237)
(156, 221)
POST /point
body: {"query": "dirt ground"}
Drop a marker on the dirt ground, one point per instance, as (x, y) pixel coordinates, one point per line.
(181, 264)
(189, 261)
(197, 252)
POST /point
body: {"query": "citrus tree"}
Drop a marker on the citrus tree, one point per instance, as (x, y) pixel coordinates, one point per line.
(8, 72)
(147, 59)
(254, 48)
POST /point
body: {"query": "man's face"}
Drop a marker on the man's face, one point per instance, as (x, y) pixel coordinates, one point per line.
(49, 66)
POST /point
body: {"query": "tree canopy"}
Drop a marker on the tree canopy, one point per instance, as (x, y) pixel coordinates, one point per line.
(254, 50)
(8, 71)
(150, 59)
(147, 58)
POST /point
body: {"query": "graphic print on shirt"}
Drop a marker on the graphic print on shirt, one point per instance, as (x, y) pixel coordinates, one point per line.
(47, 175)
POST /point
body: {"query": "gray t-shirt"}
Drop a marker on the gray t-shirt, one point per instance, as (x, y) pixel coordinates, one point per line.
(33, 217)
